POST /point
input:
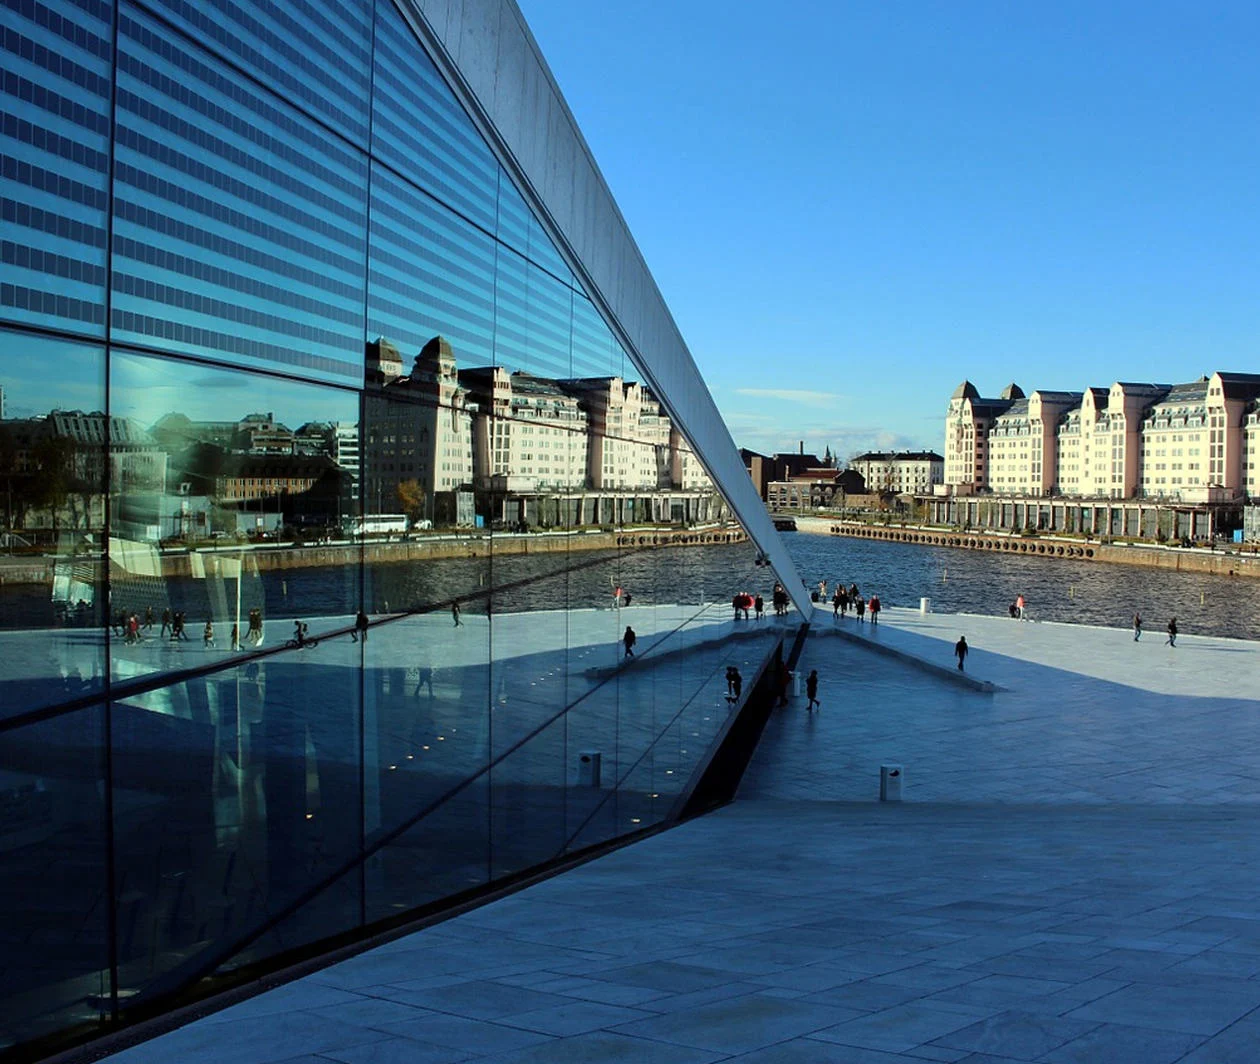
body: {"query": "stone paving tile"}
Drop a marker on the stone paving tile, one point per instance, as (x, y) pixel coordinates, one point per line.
(868, 996)
(811, 1051)
(256, 1040)
(397, 1051)
(576, 1017)
(937, 1053)
(998, 991)
(897, 1029)
(457, 1032)
(369, 1012)
(667, 977)
(738, 1025)
(1117, 1044)
(1239, 1044)
(605, 1047)
(1022, 1035)
(1204, 1010)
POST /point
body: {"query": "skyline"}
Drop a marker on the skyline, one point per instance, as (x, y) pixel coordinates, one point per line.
(1061, 197)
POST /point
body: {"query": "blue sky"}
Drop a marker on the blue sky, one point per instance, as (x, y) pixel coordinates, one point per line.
(851, 207)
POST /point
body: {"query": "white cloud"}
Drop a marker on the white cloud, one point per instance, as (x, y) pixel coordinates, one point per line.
(791, 395)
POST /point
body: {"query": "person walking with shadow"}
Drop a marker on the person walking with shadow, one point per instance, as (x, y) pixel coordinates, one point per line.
(811, 689)
(1172, 632)
(629, 639)
(455, 613)
(360, 627)
(960, 651)
(1137, 627)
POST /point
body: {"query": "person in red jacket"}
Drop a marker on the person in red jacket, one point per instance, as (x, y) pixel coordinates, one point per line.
(874, 606)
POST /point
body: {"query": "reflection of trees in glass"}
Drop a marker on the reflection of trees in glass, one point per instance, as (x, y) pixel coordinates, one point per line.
(411, 498)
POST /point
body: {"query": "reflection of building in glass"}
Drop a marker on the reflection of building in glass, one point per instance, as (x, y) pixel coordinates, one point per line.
(202, 776)
(505, 436)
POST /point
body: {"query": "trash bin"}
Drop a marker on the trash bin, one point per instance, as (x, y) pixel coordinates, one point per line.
(588, 768)
(925, 605)
(890, 777)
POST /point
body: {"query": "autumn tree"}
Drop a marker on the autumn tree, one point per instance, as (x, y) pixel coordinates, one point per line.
(411, 499)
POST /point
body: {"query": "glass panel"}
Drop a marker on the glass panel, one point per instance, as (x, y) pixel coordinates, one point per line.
(54, 156)
(54, 955)
(314, 52)
(235, 796)
(527, 786)
(421, 131)
(233, 517)
(431, 272)
(52, 516)
(427, 738)
(239, 222)
(533, 319)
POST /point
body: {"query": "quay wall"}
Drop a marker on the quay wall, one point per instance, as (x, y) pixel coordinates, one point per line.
(1178, 559)
(175, 564)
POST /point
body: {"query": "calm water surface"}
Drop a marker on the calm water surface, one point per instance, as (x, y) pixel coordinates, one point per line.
(961, 581)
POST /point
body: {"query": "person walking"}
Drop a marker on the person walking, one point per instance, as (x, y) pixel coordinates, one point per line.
(960, 651)
(844, 602)
(859, 607)
(759, 607)
(1172, 632)
(1019, 608)
(455, 613)
(166, 623)
(207, 633)
(360, 627)
(236, 636)
(1137, 627)
(737, 685)
(811, 689)
(835, 603)
(148, 618)
(629, 639)
(874, 606)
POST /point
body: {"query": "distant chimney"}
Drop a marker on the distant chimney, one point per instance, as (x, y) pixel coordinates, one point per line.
(802, 446)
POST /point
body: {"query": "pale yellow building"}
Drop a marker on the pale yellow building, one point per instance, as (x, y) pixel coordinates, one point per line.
(1193, 442)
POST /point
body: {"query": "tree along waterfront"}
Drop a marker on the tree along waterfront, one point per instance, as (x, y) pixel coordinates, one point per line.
(1056, 589)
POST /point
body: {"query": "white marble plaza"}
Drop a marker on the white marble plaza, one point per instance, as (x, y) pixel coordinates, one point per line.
(1073, 877)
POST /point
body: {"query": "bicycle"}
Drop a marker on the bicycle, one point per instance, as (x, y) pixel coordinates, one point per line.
(301, 644)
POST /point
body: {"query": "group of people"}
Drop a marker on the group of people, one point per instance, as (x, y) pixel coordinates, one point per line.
(844, 597)
(1171, 629)
(132, 626)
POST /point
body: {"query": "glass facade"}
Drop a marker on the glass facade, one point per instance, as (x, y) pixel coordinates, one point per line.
(347, 564)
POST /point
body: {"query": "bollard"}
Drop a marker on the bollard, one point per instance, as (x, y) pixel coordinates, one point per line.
(925, 605)
(890, 779)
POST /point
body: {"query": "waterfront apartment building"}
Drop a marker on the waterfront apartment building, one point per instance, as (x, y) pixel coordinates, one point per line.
(899, 472)
(279, 264)
(1196, 442)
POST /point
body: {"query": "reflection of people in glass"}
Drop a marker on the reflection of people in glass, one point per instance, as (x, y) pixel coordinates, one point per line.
(629, 639)
(207, 635)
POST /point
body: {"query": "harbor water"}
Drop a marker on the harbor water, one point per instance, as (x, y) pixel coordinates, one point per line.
(1084, 592)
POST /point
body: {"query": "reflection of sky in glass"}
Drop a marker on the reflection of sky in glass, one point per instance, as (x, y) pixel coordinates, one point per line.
(39, 375)
(147, 388)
